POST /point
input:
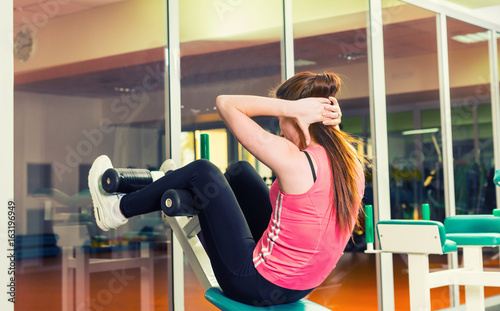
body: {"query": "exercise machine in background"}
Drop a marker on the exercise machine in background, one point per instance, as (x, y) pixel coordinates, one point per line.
(420, 238)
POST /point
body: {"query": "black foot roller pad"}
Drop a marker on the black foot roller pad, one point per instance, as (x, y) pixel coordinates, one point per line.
(176, 202)
(125, 180)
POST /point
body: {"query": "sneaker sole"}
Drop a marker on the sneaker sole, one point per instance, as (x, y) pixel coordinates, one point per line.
(100, 165)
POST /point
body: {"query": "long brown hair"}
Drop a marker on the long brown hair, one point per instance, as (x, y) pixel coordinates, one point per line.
(345, 161)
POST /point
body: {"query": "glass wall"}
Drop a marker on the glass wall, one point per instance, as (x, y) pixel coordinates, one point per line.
(333, 39)
(227, 49)
(92, 84)
(471, 118)
(413, 118)
(412, 89)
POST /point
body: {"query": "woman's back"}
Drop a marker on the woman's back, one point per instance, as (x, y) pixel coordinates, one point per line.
(303, 241)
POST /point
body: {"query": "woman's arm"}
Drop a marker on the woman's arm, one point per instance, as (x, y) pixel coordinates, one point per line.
(281, 155)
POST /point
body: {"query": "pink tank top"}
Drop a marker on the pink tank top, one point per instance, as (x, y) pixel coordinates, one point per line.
(302, 243)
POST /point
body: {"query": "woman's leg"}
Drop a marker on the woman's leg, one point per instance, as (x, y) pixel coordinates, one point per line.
(228, 240)
(195, 177)
(211, 193)
(252, 194)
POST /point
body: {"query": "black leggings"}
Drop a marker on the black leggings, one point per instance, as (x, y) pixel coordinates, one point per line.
(236, 212)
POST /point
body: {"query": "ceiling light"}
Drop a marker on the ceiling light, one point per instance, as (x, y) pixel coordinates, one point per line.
(352, 56)
(473, 37)
(421, 131)
(304, 62)
(123, 89)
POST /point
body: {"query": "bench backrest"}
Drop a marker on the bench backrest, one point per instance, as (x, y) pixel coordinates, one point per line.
(412, 236)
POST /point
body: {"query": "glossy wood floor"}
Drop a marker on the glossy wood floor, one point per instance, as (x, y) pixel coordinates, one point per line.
(351, 286)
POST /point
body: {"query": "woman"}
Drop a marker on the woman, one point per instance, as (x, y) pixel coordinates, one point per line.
(266, 246)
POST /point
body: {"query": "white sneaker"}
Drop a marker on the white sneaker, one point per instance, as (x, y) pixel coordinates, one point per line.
(103, 202)
(168, 165)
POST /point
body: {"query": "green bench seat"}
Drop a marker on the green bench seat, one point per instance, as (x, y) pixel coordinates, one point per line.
(217, 298)
(479, 239)
(473, 230)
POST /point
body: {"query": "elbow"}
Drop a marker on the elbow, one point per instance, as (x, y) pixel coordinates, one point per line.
(220, 101)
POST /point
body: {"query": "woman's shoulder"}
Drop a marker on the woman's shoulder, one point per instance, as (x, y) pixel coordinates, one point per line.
(315, 148)
(318, 151)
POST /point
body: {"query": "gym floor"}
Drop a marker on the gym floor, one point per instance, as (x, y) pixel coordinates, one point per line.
(351, 286)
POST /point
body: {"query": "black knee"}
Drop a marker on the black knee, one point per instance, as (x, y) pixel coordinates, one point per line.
(203, 165)
(208, 184)
(238, 169)
(207, 174)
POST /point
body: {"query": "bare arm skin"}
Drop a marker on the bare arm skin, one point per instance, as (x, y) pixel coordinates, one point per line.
(281, 155)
